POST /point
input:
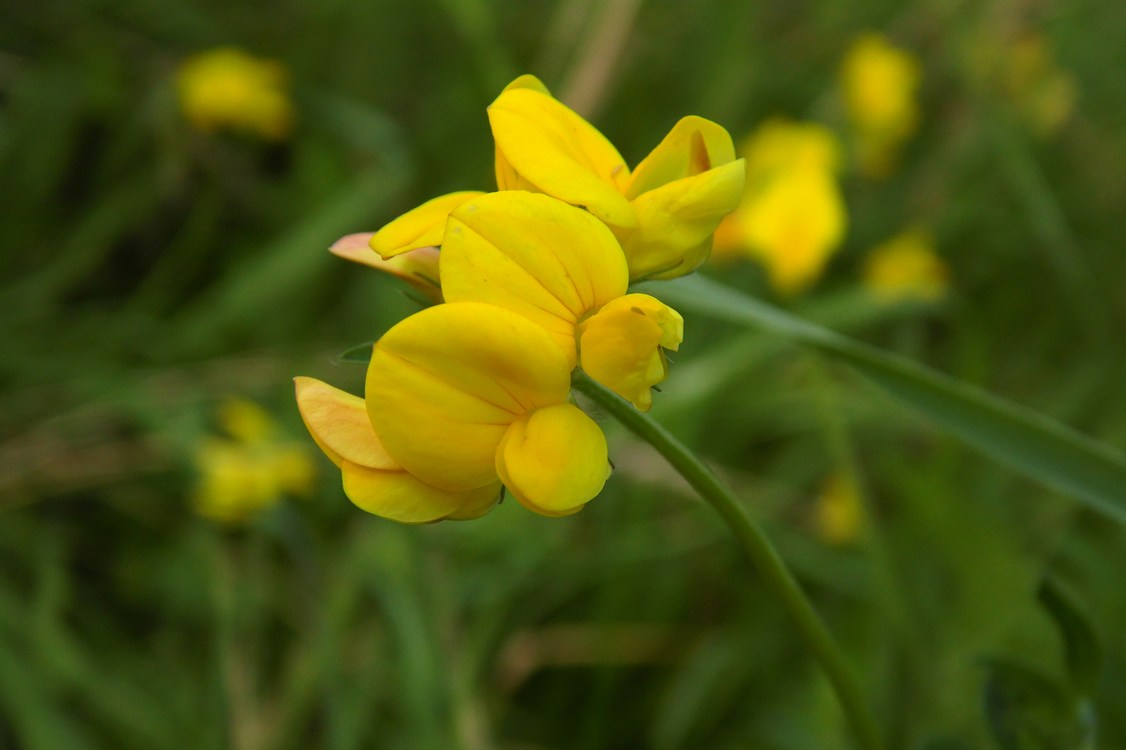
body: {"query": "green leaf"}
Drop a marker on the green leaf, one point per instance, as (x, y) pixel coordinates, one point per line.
(1024, 440)
(1082, 649)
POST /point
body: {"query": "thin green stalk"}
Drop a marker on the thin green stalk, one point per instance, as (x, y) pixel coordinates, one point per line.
(754, 542)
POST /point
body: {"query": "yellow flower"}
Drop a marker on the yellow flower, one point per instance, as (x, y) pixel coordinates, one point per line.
(459, 397)
(792, 218)
(906, 267)
(563, 269)
(880, 83)
(838, 514)
(664, 213)
(228, 89)
(623, 345)
(250, 471)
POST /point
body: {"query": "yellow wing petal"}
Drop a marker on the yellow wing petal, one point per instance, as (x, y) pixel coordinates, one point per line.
(339, 424)
(554, 460)
(528, 81)
(419, 227)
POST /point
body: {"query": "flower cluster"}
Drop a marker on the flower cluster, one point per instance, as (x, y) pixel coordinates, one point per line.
(532, 282)
(792, 217)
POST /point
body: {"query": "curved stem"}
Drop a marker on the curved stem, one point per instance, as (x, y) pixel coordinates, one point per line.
(777, 576)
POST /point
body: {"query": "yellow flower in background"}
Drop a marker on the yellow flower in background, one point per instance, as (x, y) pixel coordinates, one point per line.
(561, 267)
(459, 397)
(664, 213)
(228, 89)
(792, 217)
(252, 469)
(906, 267)
(880, 83)
(1044, 93)
(838, 513)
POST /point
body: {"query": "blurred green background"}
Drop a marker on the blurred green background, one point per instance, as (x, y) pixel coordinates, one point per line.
(151, 270)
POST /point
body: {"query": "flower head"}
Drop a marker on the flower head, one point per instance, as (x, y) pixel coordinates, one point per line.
(249, 470)
(906, 267)
(664, 213)
(228, 89)
(460, 397)
(792, 218)
(880, 83)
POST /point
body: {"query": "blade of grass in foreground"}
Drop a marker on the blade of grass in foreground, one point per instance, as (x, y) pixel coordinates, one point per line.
(1024, 440)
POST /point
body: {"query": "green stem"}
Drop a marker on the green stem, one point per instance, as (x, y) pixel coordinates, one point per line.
(769, 563)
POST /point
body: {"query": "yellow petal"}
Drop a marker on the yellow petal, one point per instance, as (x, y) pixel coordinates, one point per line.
(534, 255)
(676, 222)
(528, 81)
(398, 496)
(418, 267)
(554, 460)
(444, 384)
(339, 424)
(621, 346)
(477, 503)
(507, 177)
(694, 145)
(549, 147)
(419, 227)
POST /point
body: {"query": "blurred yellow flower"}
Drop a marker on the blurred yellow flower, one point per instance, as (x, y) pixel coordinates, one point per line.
(664, 213)
(838, 513)
(880, 83)
(1044, 93)
(250, 470)
(906, 267)
(460, 397)
(228, 89)
(792, 217)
